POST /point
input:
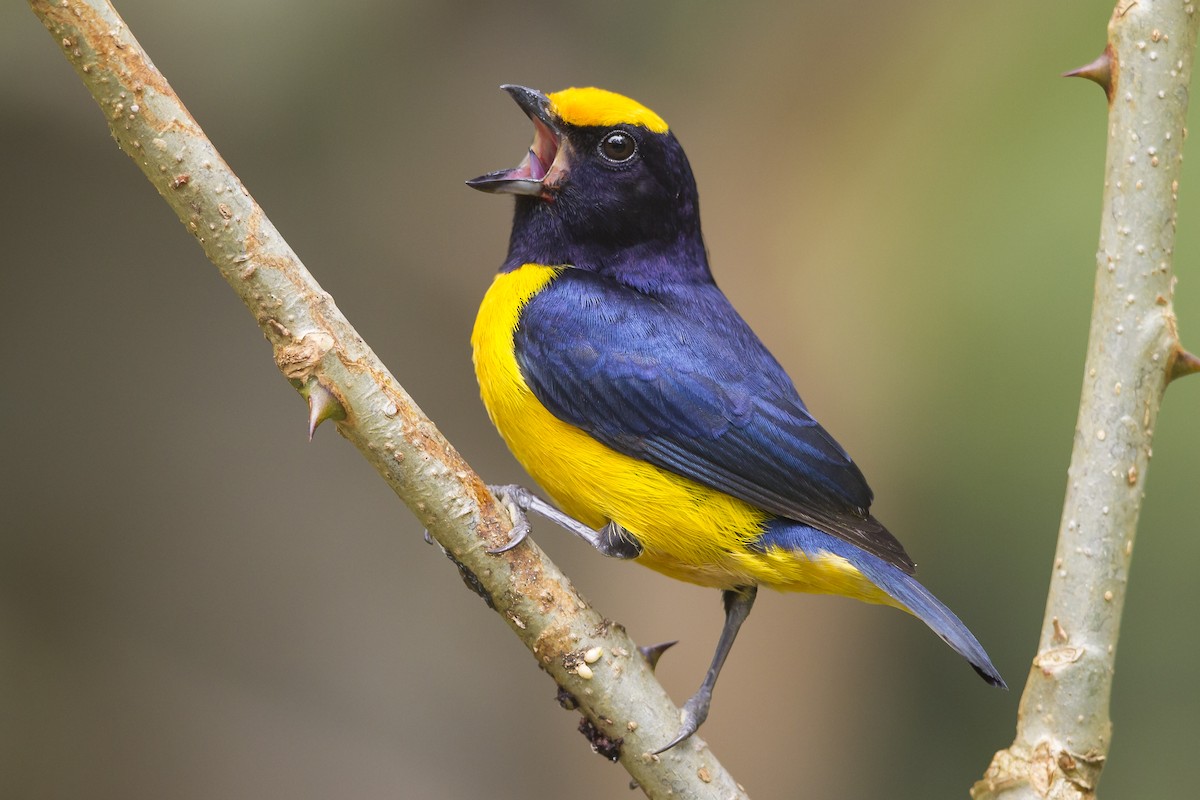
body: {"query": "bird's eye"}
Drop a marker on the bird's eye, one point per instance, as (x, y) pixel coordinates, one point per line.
(618, 147)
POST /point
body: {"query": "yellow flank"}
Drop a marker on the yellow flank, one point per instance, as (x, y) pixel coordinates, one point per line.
(688, 531)
(592, 106)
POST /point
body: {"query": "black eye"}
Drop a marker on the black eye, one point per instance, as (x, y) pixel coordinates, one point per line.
(618, 146)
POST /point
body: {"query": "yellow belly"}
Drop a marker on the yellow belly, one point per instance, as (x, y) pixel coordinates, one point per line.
(687, 531)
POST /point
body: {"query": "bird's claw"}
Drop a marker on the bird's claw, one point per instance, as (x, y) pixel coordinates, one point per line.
(695, 711)
(514, 500)
(612, 540)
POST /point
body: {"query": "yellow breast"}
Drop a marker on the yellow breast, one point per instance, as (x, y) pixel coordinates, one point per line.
(687, 530)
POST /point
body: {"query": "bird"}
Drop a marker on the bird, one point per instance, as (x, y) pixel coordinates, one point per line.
(630, 389)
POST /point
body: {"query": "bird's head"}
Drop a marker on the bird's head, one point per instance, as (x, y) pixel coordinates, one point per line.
(604, 182)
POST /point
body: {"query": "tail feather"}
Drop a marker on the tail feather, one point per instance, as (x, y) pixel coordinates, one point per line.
(940, 619)
(895, 582)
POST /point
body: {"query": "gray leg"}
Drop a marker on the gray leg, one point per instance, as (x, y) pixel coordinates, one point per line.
(612, 540)
(738, 603)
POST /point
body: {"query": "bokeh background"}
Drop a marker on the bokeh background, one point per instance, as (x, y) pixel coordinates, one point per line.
(195, 602)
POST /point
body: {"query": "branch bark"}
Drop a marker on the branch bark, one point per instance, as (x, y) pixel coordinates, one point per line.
(1063, 724)
(320, 353)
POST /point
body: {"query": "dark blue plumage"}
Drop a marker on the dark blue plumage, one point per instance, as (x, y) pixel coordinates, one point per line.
(639, 225)
(678, 379)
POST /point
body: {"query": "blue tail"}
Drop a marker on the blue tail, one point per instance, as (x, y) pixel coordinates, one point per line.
(897, 584)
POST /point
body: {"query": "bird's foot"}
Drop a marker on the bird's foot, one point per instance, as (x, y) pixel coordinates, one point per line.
(738, 602)
(695, 711)
(516, 500)
(612, 540)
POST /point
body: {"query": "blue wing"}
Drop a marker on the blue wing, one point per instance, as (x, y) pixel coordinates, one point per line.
(679, 380)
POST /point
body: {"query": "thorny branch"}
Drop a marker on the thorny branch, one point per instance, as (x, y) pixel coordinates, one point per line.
(1063, 726)
(627, 711)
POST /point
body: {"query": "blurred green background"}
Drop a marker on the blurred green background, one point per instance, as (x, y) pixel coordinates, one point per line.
(195, 602)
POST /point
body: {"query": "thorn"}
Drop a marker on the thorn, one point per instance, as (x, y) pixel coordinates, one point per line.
(322, 405)
(1100, 71)
(1182, 363)
(653, 652)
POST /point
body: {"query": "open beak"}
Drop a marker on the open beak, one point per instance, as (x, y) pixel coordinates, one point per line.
(544, 165)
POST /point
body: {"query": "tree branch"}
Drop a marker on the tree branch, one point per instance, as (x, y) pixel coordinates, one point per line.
(1063, 725)
(328, 362)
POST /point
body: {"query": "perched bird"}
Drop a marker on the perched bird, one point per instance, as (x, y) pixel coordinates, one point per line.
(630, 389)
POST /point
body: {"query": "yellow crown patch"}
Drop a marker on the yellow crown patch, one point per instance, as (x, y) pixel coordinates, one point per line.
(597, 107)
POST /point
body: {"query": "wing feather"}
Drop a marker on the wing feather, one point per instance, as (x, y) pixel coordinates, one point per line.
(683, 383)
